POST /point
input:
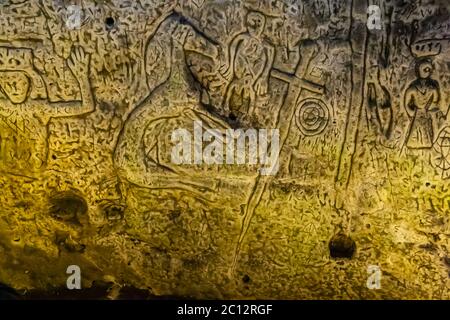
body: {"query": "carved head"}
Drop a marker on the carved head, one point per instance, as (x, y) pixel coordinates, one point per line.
(424, 68)
(255, 23)
(15, 85)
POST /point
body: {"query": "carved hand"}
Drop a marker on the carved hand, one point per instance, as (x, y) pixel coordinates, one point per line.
(181, 33)
(440, 115)
(79, 62)
(261, 86)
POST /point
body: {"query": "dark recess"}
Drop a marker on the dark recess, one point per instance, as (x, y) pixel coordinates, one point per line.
(342, 246)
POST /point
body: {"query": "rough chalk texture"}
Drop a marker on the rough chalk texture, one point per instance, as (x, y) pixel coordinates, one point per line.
(92, 94)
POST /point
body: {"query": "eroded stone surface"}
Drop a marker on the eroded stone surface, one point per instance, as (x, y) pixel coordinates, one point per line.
(91, 92)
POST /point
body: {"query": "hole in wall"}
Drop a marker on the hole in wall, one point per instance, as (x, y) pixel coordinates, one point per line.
(246, 279)
(68, 207)
(342, 246)
(110, 22)
(232, 117)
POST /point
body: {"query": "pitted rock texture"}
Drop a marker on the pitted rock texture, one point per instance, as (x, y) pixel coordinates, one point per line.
(91, 93)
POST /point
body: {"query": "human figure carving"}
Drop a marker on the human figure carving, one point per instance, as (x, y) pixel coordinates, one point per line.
(250, 58)
(142, 153)
(24, 115)
(422, 98)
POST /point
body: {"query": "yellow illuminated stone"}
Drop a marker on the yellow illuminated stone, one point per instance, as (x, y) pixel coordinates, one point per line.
(349, 104)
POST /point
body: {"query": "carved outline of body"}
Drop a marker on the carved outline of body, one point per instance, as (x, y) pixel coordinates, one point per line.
(140, 115)
(420, 116)
(42, 111)
(240, 76)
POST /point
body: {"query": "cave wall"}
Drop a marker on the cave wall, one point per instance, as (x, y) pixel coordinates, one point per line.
(91, 93)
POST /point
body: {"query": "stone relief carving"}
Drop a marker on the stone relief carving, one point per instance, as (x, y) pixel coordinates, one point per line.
(92, 91)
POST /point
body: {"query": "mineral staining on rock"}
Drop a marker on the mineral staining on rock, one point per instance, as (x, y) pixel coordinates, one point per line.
(91, 92)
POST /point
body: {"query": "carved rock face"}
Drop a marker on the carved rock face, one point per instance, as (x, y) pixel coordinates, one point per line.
(210, 149)
(15, 85)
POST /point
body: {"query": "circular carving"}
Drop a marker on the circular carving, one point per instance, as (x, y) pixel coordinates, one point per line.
(312, 116)
(442, 147)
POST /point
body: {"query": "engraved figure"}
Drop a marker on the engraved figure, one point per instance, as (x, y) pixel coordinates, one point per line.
(142, 153)
(297, 83)
(250, 58)
(422, 98)
(25, 112)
